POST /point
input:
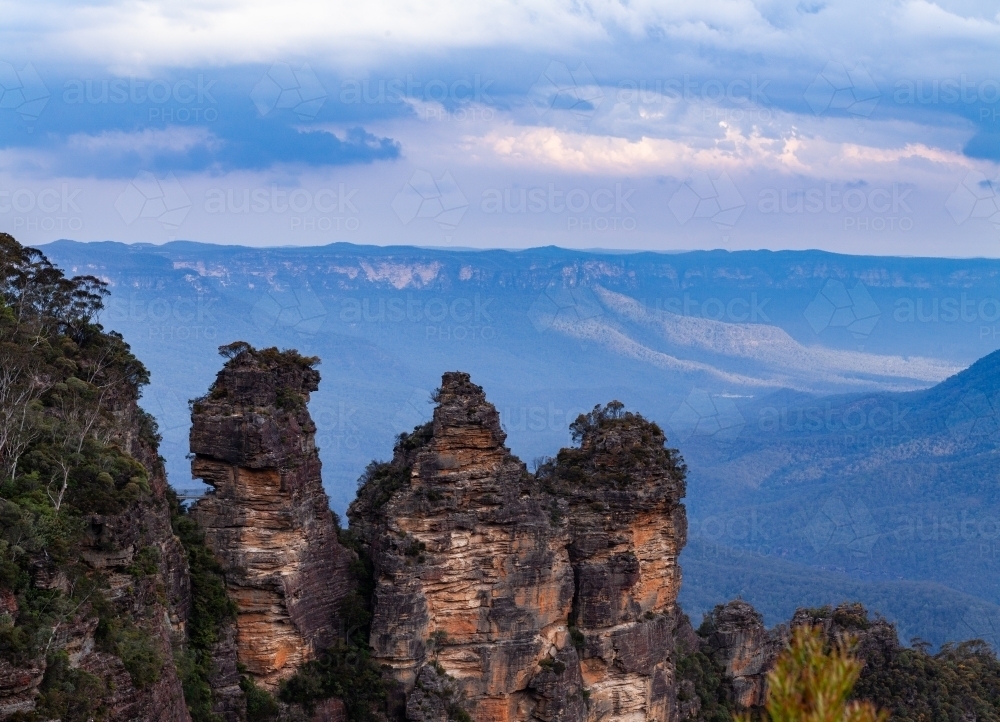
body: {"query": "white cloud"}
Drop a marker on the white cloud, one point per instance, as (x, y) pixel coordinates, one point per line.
(130, 36)
(736, 150)
(651, 139)
(864, 154)
(137, 35)
(591, 153)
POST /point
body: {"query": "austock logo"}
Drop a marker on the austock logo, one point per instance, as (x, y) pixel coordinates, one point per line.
(548, 418)
(739, 91)
(839, 307)
(559, 88)
(715, 416)
(416, 410)
(46, 209)
(585, 209)
(169, 100)
(284, 87)
(424, 197)
(443, 319)
(827, 418)
(975, 417)
(836, 525)
(975, 197)
(837, 88)
(148, 197)
(717, 200)
(980, 622)
(559, 305)
(336, 430)
(397, 91)
(323, 209)
(172, 412)
(863, 209)
(22, 91)
(298, 309)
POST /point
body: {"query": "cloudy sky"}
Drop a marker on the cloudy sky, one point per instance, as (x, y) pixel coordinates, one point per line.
(859, 127)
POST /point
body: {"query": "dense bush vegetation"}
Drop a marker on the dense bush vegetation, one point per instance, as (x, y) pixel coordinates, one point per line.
(211, 610)
(345, 670)
(960, 682)
(812, 681)
(604, 434)
(70, 432)
(710, 686)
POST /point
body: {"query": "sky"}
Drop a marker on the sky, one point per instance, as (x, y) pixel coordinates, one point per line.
(855, 127)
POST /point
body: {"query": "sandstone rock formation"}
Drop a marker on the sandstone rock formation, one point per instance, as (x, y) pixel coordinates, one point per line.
(627, 528)
(733, 636)
(268, 519)
(513, 596)
(737, 640)
(876, 638)
(471, 562)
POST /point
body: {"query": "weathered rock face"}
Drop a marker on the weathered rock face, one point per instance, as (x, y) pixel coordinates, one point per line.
(268, 519)
(19, 686)
(737, 640)
(516, 596)
(734, 636)
(627, 528)
(228, 700)
(876, 639)
(471, 564)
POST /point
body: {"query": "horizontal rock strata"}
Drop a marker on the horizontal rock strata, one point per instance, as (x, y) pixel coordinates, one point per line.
(548, 596)
(268, 519)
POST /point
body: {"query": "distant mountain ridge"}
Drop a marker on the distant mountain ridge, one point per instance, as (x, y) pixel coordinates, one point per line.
(880, 487)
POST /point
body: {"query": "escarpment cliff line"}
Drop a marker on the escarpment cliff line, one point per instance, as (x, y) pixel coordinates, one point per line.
(507, 595)
(267, 518)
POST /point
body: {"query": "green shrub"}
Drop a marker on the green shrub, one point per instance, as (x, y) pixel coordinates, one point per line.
(136, 648)
(211, 610)
(68, 694)
(194, 668)
(145, 563)
(261, 705)
(812, 681)
(344, 671)
(709, 684)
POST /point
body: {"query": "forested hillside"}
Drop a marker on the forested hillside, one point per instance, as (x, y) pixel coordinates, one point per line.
(89, 569)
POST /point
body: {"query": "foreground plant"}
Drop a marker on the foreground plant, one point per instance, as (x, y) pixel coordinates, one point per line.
(812, 681)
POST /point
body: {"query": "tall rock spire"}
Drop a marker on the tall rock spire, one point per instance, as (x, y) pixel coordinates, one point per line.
(267, 518)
